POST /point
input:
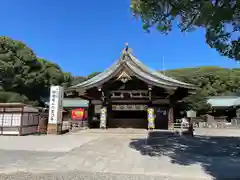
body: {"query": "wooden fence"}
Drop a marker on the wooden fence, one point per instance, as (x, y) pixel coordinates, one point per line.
(213, 122)
(19, 119)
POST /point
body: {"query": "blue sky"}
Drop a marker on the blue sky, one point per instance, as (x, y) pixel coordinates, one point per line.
(87, 36)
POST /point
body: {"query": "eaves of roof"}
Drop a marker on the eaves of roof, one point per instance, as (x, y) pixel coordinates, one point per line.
(141, 71)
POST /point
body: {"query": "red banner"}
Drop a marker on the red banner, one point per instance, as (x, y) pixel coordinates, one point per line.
(78, 114)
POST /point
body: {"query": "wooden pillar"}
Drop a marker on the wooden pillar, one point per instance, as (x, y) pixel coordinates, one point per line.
(90, 113)
(109, 112)
(171, 116)
(150, 110)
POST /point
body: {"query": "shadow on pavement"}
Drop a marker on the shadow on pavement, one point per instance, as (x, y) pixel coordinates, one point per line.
(218, 156)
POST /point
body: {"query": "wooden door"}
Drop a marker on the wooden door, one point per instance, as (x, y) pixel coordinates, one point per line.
(161, 121)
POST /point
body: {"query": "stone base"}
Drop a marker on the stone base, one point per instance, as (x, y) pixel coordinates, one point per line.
(54, 129)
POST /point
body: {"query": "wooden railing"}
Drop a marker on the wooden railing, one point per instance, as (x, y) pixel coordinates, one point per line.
(179, 127)
(216, 122)
(73, 124)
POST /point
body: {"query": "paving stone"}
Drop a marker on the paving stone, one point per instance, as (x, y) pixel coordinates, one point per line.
(170, 156)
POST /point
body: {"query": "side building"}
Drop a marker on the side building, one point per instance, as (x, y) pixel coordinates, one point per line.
(128, 93)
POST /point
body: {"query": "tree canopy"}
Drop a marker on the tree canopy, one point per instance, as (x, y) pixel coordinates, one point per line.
(212, 81)
(24, 76)
(92, 75)
(220, 19)
(77, 79)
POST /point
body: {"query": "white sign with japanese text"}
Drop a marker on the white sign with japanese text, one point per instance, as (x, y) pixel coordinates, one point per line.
(55, 105)
(60, 100)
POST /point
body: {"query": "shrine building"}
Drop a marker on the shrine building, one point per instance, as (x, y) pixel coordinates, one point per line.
(129, 94)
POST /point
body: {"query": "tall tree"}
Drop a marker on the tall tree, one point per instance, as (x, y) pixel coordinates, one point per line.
(220, 18)
(8, 97)
(92, 75)
(212, 81)
(23, 76)
(77, 80)
(19, 68)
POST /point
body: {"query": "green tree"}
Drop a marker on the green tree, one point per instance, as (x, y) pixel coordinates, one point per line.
(67, 79)
(8, 97)
(212, 81)
(53, 74)
(18, 66)
(92, 75)
(77, 80)
(24, 76)
(220, 19)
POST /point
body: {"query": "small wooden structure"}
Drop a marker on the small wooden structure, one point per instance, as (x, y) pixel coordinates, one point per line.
(225, 109)
(70, 104)
(18, 119)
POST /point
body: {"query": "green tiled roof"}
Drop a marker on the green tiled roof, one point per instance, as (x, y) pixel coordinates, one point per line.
(75, 103)
(224, 101)
(68, 102)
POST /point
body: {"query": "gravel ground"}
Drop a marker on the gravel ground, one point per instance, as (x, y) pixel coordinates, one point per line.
(79, 175)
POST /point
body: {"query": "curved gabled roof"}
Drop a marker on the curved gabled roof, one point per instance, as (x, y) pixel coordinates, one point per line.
(224, 101)
(158, 74)
(131, 63)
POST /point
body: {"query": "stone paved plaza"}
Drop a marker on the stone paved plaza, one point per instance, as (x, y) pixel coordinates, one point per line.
(122, 154)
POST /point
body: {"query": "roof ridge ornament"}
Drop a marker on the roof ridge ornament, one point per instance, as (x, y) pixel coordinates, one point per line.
(124, 52)
(126, 48)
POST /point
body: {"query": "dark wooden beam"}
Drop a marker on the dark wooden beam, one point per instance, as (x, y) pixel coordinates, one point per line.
(80, 91)
(130, 101)
(150, 92)
(70, 93)
(129, 93)
(86, 97)
(170, 95)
